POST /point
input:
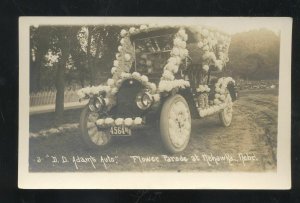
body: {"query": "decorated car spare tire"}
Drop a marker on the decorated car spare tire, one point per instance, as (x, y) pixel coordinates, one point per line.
(175, 124)
(91, 134)
(226, 114)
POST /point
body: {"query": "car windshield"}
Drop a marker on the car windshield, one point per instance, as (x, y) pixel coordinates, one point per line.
(151, 54)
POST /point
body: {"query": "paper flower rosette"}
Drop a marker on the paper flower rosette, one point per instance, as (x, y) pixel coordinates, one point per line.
(214, 46)
(91, 91)
(167, 86)
(220, 101)
(221, 86)
(178, 53)
(129, 122)
(202, 98)
(203, 88)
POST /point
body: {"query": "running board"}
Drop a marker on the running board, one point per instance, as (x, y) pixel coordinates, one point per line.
(203, 112)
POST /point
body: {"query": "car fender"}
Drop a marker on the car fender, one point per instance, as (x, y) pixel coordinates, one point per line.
(188, 95)
(232, 90)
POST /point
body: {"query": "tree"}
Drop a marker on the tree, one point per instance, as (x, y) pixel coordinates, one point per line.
(109, 47)
(61, 54)
(39, 44)
(99, 43)
(254, 55)
(65, 37)
(89, 55)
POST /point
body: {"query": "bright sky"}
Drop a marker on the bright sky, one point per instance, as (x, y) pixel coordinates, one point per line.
(241, 25)
(229, 25)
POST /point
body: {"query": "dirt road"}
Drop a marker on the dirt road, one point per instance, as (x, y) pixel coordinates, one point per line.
(249, 144)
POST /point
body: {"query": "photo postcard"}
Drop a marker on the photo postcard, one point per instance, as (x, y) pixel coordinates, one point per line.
(155, 102)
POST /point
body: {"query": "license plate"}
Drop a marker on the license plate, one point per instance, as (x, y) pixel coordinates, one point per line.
(120, 131)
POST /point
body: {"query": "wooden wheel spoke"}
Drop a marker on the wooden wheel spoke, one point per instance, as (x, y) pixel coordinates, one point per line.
(92, 131)
(91, 134)
(99, 138)
(90, 125)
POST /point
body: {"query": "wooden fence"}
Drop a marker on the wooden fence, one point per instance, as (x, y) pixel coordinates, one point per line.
(44, 101)
(48, 97)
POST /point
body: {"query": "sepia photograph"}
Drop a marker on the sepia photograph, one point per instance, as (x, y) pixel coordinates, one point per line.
(186, 102)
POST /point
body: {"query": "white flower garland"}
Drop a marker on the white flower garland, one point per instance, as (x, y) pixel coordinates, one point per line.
(203, 88)
(124, 56)
(219, 101)
(211, 110)
(178, 53)
(94, 90)
(215, 47)
(220, 89)
(137, 76)
(113, 86)
(130, 122)
(166, 86)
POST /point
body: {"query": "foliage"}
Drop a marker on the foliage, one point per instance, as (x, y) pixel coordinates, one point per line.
(92, 50)
(254, 55)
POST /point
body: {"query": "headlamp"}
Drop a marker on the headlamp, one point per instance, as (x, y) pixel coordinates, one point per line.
(144, 100)
(96, 104)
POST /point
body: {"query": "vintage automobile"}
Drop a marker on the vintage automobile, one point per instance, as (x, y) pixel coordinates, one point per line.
(162, 77)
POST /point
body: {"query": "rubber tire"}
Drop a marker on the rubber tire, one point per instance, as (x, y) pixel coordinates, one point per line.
(222, 116)
(84, 131)
(164, 124)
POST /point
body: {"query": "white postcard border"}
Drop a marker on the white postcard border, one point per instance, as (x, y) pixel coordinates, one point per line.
(157, 180)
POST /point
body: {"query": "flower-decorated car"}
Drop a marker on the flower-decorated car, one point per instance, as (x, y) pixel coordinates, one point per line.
(161, 75)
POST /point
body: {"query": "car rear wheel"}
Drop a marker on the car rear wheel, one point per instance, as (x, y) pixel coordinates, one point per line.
(91, 134)
(226, 114)
(175, 124)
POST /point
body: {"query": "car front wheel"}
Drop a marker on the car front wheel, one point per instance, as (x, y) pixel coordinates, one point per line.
(175, 124)
(90, 133)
